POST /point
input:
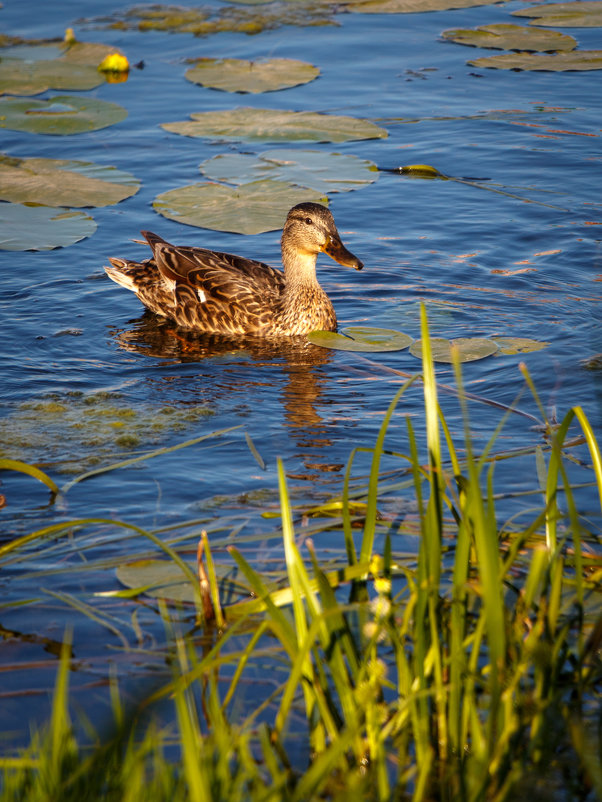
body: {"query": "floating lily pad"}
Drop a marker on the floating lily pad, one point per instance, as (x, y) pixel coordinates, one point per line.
(470, 348)
(41, 228)
(519, 345)
(567, 15)
(59, 115)
(166, 580)
(272, 125)
(419, 171)
(249, 209)
(238, 75)
(410, 6)
(61, 182)
(361, 338)
(512, 37)
(558, 62)
(324, 172)
(204, 21)
(31, 69)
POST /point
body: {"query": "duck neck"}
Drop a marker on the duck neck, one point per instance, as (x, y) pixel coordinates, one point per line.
(299, 270)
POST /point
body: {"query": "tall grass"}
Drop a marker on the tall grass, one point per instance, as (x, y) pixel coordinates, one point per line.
(471, 679)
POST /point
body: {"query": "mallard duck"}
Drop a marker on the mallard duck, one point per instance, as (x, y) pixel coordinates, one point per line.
(210, 291)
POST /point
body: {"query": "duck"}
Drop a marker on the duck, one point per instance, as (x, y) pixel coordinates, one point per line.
(219, 293)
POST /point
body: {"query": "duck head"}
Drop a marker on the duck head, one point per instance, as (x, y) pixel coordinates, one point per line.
(310, 229)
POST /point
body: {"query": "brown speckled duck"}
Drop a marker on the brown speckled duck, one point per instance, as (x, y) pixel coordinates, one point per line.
(209, 291)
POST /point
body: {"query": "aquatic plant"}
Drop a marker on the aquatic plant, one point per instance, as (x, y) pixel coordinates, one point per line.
(468, 672)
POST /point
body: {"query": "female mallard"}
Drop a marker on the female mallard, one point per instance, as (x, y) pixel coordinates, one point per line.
(209, 291)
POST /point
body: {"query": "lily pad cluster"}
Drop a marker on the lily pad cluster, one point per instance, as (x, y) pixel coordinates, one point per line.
(267, 185)
(204, 21)
(33, 189)
(467, 349)
(32, 68)
(576, 14)
(535, 48)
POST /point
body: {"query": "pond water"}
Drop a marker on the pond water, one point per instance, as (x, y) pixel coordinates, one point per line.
(522, 261)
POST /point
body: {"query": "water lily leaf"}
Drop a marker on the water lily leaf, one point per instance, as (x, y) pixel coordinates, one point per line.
(410, 6)
(166, 580)
(519, 345)
(31, 69)
(272, 125)
(568, 15)
(41, 228)
(249, 209)
(361, 338)
(32, 78)
(238, 75)
(61, 182)
(470, 348)
(324, 172)
(511, 37)
(557, 62)
(59, 115)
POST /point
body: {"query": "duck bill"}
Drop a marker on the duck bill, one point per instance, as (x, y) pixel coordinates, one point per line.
(337, 251)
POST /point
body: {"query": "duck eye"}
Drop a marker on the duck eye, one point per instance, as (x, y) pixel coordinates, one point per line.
(309, 221)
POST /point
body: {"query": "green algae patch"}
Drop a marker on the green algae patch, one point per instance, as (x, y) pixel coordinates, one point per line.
(88, 428)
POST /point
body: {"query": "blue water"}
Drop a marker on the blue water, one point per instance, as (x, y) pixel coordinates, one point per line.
(484, 263)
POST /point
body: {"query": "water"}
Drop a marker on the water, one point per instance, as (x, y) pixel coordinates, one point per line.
(485, 264)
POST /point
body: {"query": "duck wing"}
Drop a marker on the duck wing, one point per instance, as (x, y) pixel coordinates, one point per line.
(216, 291)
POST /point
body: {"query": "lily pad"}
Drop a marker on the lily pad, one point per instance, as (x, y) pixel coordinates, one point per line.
(470, 348)
(239, 75)
(512, 37)
(61, 182)
(567, 15)
(519, 345)
(166, 580)
(411, 6)
(59, 115)
(361, 338)
(273, 125)
(31, 69)
(323, 172)
(576, 60)
(41, 228)
(249, 209)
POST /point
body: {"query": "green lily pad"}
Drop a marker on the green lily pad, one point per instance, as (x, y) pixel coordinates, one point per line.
(576, 60)
(410, 6)
(519, 345)
(238, 75)
(166, 580)
(272, 125)
(59, 115)
(323, 172)
(61, 182)
(512, 37)
(249, 209)
(41, 228)
(567, 15)
(470, 348)
(31, 69)
(361, 338)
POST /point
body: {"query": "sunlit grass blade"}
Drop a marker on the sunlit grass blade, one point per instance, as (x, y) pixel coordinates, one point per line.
(31, 470)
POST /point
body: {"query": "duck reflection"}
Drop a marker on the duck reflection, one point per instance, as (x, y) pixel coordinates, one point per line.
(301, 363)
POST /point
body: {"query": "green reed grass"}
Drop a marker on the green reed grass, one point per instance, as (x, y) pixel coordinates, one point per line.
(470, 675)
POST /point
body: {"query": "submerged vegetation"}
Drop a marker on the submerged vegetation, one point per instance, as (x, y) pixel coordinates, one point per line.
(465, 671)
